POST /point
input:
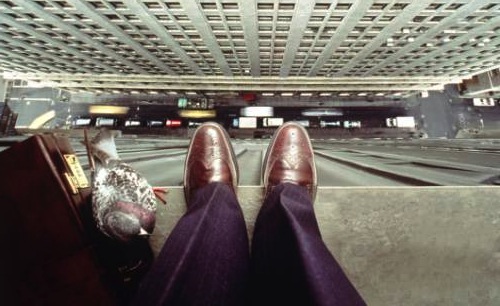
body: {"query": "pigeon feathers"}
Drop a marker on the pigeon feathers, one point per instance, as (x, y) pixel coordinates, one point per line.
(123, 202)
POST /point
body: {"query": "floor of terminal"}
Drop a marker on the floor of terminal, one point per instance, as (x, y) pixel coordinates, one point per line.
(399, 246)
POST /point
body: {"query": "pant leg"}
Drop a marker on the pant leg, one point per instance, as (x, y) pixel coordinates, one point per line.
(205, 260)
(291, 264)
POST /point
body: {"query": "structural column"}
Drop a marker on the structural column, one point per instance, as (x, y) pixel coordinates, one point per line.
(3, 89)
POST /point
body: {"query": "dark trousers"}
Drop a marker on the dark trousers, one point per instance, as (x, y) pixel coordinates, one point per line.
(206, 258)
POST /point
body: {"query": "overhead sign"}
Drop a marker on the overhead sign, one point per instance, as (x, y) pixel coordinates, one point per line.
(269, 122)
(488, 102)
(248, 122)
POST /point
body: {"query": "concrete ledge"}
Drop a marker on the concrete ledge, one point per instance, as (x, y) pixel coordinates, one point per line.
(399, 246)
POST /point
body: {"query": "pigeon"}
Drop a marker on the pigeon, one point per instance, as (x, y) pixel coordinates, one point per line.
(123, 202)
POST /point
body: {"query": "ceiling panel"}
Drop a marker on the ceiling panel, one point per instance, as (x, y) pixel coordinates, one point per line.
(317, 40)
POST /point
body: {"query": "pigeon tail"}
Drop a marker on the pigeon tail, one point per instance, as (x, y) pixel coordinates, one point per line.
(103, 146)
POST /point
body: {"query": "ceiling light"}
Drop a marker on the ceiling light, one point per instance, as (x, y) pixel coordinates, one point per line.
(195, 113)
(108, 109)
(317, 112)
(257, 111)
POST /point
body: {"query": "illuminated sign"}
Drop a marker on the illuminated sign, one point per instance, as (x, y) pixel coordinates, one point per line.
(182, 102)
(483, 102)
(155, 123)
(82, 121)
(173, 123)
(132, 123)
(247, 122)
(108, 109)
(193, 124)
(272, 122)
(325, 124)
(105, 122)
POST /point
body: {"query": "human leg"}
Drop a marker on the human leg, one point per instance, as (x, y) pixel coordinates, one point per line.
(290, 262)
(205, 259)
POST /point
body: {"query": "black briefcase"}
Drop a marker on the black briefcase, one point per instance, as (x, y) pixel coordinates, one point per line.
(52, 253)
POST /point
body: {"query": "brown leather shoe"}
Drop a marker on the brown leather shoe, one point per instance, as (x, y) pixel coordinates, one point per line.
(290, 159)
(210, 158)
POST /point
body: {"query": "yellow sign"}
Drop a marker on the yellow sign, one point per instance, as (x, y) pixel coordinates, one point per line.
(71, 182)
(76, 170)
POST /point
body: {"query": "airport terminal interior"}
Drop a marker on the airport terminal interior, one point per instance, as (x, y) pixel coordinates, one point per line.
(401, 100)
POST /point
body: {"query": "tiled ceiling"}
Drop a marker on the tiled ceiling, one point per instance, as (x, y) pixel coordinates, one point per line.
(366, 45)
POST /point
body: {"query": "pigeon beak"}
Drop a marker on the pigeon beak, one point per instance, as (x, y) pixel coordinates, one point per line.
(143, 232)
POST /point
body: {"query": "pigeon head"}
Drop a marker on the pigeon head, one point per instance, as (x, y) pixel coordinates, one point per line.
(126, 221)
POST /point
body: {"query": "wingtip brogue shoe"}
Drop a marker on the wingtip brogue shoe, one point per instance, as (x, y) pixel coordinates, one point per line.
(210, 158)
(290, 159)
